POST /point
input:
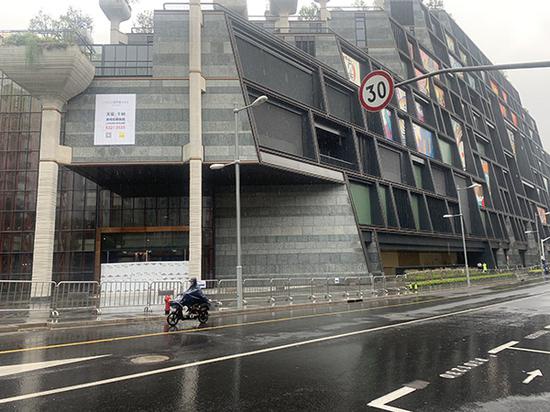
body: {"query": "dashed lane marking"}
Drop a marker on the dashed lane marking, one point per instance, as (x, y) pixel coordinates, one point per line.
(252, 353)
(537, 334)
(463, 369)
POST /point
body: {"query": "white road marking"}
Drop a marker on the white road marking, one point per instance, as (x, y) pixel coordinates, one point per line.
(252, 353)
(537, 334)
(503, 347)
(381, 403)
(532, 350)
(28, 367)
(532, 375)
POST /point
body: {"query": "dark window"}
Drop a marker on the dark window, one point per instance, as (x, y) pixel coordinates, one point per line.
(123, 60)
(390, 162)
(360, 31)
(277, 73)
(306, 44)
(387, 205)
(440, 180)
(336, 145)
(438, 209)
(404, 210)
(284, 129)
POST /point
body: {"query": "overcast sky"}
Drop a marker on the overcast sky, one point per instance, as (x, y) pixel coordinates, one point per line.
(506, 30)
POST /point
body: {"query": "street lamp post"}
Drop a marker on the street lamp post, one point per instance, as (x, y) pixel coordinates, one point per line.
(239, 269)
(461, 215)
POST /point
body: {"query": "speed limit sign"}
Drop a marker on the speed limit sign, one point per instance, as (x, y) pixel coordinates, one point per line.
(376, 90)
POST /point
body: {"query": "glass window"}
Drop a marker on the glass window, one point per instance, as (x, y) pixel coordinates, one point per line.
(361, 195)
(277, 73)
(446, 152)
(390, 162)
(387, 207)
(415, 205)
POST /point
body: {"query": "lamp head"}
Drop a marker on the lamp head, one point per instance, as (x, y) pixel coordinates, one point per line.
(259, 101)
(217, 166)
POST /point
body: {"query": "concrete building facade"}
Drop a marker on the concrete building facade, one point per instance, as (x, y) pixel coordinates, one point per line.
(327, 187)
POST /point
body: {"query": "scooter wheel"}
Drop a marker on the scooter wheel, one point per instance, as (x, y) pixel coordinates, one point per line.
(172, 319)
(203, 317)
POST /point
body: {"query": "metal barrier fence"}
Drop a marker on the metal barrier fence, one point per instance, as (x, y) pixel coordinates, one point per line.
(18, 295)
(76, 296)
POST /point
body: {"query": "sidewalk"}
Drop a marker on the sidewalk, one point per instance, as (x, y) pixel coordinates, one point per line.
(25, 321)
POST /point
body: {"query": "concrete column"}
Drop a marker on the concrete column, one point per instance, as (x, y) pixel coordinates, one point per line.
(324, 14)
(117, 37)
(46, 202)
(196, 87)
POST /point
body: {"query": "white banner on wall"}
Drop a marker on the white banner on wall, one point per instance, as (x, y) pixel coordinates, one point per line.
(145, 272)
(353, 69)
(115, 119)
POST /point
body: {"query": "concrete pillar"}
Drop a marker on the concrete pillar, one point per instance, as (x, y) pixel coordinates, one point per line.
(57, 75)
(196, 87)
(283, 23)
(117, 37)
(44, 235)
(324, 14)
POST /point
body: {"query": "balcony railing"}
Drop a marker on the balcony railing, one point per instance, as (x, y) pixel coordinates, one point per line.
(126, 60)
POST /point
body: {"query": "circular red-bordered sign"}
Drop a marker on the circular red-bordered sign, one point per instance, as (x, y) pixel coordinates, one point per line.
(376, 90)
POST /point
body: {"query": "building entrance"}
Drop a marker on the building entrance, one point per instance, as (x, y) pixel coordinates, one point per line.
(146, 244)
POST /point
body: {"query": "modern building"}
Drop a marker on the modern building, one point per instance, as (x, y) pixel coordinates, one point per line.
(119, 165)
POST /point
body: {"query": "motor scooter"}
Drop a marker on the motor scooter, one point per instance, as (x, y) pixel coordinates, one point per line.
(192, 304)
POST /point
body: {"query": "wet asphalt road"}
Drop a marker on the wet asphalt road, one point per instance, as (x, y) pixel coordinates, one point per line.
(434, 352)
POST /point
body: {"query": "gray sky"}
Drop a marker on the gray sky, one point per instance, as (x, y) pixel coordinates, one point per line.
(506, 30)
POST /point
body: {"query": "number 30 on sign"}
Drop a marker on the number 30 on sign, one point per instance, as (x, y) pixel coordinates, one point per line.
(376, 90)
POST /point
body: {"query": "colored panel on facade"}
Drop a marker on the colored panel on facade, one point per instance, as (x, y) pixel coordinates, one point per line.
(440, 94)
(429, 64)
(420, 111)
(512, 139)
(480, 197)
(401, 99)
(503, 110)
(423, 85)
(494, 87)
(402, 130)
(424, 140)
(353, 69)
(458, 132)
(542, 215)
(486, 172)
(387, 124)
